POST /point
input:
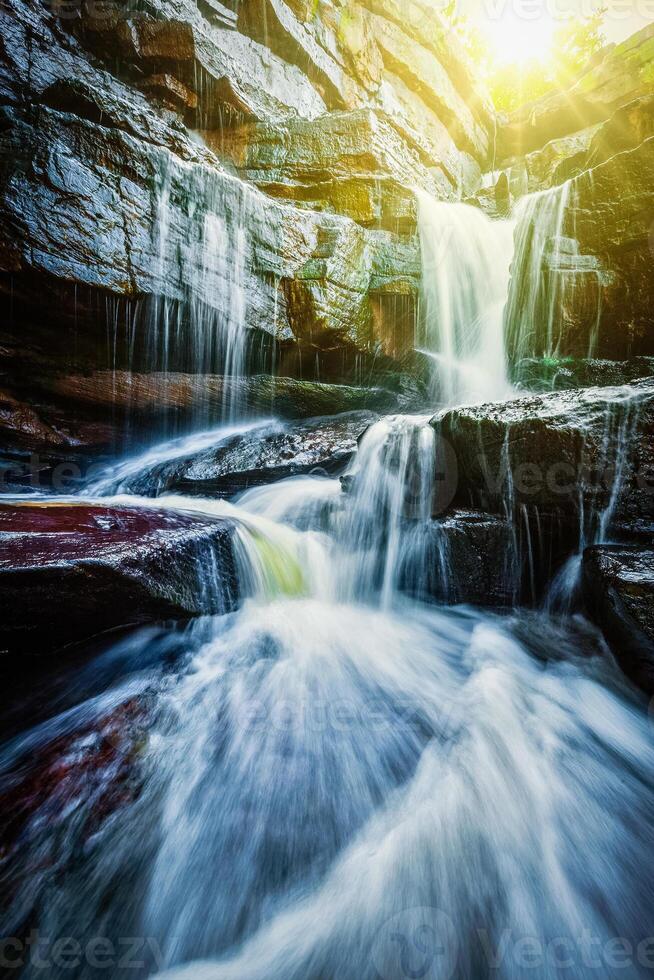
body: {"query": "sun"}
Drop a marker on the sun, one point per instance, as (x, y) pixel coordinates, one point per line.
(516, 39)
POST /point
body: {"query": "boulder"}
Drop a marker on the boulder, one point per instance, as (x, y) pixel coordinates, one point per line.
(584, 456)
(618, 590)
(471, 560)
(262, 456)
(71, 570)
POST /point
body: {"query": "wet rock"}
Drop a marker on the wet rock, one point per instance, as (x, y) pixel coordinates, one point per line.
(273, 23)
(618, 588)
(192, 396)
(558, 374)
(354, 163)
(324, 445)
(140, 39)
(171, 92)
(92, 772)
(585, 455)
(559, 160)
(612, 216)
(473, 560)
(628, 127)
(423, 73)
(138, 192)
(68, 571)
(454, 173)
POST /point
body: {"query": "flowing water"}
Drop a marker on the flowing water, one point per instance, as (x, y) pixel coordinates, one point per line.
(340, 781)
(466, 261)
(547, 274)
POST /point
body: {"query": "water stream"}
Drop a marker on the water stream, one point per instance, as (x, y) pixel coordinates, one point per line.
(466, 261)
(340, 781)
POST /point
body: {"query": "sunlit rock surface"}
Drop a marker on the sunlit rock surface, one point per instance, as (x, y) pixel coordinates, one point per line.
(109, 195)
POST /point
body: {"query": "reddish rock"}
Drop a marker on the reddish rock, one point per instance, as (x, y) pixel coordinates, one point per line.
(69, 571)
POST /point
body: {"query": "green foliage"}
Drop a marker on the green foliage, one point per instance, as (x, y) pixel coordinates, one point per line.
(514, 84)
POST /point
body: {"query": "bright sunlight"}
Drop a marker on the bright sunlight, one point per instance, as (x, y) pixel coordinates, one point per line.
(516, 40)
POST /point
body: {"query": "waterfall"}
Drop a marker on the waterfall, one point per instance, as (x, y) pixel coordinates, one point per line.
(339, 779)
(196, 320)
(466, 259)
(545, 277)
(385, 530)
(533, 301)
(621, 416)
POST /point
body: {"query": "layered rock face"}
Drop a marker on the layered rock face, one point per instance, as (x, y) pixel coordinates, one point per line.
(176, 177)
(590, 150)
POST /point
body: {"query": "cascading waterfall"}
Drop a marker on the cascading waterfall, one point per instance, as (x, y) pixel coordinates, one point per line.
(533, 303)
(339, 780)
(544, 277)
(196, 323)
(619, 429)
(466, 260)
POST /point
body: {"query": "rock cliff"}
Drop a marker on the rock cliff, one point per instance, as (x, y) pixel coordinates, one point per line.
(595, 143)
(176, 176)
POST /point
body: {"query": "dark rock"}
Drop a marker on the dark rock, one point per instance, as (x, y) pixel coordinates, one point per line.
(612, 216)
(473, 560)
(92, 772)
(68, 571)
(41, 428)
(140, 39)
(618, 589)
(262, 456)
(584, 455)
(558, 374)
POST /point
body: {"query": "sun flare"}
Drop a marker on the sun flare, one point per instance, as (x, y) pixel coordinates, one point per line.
(516, 39)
